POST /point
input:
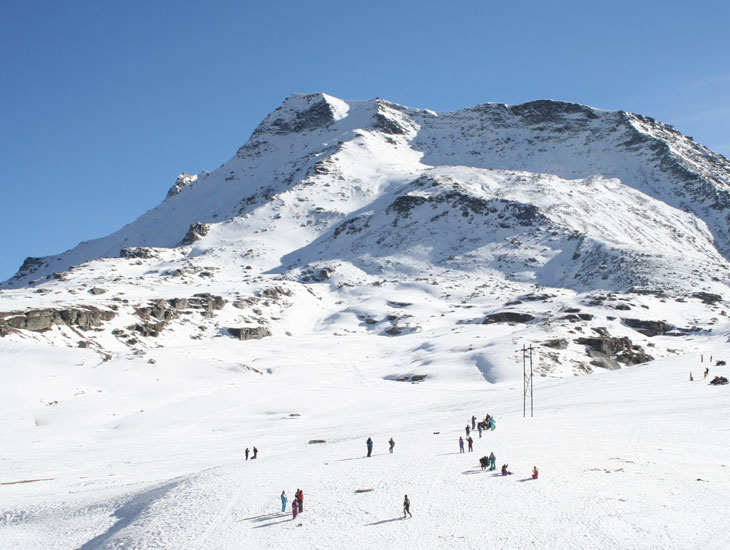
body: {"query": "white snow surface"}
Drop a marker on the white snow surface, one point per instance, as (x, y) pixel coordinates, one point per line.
(389, 265)
(144, 456)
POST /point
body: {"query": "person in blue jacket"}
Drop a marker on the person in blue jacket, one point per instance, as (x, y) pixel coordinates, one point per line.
(369, 444)
(283, 501)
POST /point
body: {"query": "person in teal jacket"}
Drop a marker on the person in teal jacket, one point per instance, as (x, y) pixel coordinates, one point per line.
(283, 501)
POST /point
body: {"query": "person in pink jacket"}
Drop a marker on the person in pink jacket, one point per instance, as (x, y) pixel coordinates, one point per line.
(294, 508)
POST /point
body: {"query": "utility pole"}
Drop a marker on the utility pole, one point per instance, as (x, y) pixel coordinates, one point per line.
(527, 381)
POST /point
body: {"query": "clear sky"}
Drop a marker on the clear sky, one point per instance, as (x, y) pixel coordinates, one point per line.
(103, 103)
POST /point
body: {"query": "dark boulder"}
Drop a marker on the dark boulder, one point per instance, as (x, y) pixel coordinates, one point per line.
(248, 333)
(508, 317)
(648, 328)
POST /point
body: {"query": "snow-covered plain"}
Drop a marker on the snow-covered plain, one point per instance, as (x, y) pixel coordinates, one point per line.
(363, 269)
(141, 456)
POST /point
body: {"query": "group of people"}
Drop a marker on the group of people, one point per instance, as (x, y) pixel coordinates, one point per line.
(717, 379)
(488, 462)
(369, 445)
(255, 452)
(297, 505)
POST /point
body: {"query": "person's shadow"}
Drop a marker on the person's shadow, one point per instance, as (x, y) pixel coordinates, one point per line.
(386, 521)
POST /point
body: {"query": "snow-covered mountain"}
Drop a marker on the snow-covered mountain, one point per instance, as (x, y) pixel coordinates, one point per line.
(537, 215)
(360, 268)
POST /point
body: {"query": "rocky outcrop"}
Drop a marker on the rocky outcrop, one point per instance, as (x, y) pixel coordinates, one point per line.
(39, 320)
(608, 352)
(248, 333)
(158, 313)
(557, 343)
(648, 328)
(182, 181)
(708, 297)
(141, 252)
(508, 317)
(196, 232)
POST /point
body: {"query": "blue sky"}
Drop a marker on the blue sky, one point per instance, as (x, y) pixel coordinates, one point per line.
(103, 103)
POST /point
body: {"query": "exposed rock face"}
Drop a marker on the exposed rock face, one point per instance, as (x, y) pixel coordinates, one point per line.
(141, 252)
(96, 291)
(182, 181)
(648, 328)
(707, 297)
(508, 317)
(249, 333)
(607, 352)
(158, 313)
(196, 232)
(39, 320)
(558, 343)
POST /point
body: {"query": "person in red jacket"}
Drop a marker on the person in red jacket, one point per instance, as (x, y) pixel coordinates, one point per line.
(534, 472)
(300, 498)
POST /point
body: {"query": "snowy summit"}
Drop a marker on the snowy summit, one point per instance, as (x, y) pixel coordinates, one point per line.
(361, 269)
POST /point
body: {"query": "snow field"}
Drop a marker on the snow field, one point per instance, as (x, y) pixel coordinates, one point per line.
(635, 458)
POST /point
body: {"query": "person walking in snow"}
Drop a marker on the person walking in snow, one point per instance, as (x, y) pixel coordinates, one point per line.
(294, 508)
(467, 430)
(461, 444)
(534, 472)
(406, 507)
(255, 453)
(391, 445)
(300, 499)
(707, 371)
(690, 377)
(473, 422)
(480, 429)
(470, 441)
(369, 444)
(283, 501)
(492, 462)
(246, 453)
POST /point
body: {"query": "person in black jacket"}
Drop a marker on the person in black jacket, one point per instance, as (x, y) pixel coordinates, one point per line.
(407, 507)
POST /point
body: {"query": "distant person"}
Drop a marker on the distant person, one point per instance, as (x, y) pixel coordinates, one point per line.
(461, 444)
(492, 462)
(406, 507)
(467, 430)
(369, 444)
(707, 371)
(391, 445)
(480, 429)
(690, 377)
(299, 495)
(473, 422)
(255, 453)
(294, 508)
(534, 472)
(484, 462)
(283, 501)
(470, 441)
(247, 453)
(506, 472)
